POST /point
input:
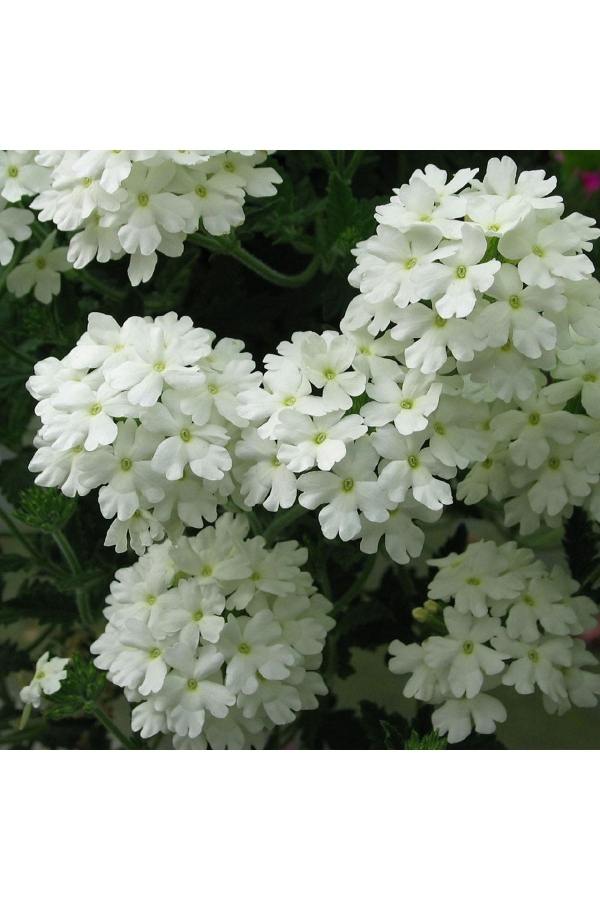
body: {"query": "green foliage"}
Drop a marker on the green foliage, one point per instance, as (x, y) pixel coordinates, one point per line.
(429, 742)
(80, 690)
(46, 509)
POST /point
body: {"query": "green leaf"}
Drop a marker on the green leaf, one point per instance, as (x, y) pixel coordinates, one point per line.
(45, 508)
(12, 562)
(429, 742)
(79, 691)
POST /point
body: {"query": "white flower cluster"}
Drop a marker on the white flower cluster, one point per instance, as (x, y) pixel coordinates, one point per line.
(488, 298)
(508, 620)
(137, 202)
(146, 411)
(477, 322)
(216, 639)
(48, 675)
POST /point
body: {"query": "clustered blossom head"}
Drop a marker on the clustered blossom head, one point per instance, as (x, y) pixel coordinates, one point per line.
(49, 672)
(146, 411)
(508, 620)
(135, 202)
(216, 639)
(474, 333)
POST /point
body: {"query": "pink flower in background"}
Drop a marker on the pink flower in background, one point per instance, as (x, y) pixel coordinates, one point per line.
(590, 182)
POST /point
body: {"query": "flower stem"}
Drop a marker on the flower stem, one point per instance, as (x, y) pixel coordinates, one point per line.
(356, 588)
(108, 723)
(96, 284)
(354, 164)
(256, 265)
(12, 351)
(83, 608)
(26, 543)
(282, 520)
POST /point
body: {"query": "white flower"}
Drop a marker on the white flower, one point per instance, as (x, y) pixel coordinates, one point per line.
(408, 405)
(39, 270)
(189, 690)
(413, 467)
(456, 718)
(545, 252)
(252, 648)
(321, 441)
(326, 363)
(48, 675)
(453, 283)
(351, 485)
(465, 652)
(268, 481)
(20, 175)
(14, 226)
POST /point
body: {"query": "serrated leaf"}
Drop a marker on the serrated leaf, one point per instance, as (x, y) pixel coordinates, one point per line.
(428, 742)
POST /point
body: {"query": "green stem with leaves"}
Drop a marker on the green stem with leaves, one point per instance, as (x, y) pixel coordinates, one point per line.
(28, 546)
(256, 265)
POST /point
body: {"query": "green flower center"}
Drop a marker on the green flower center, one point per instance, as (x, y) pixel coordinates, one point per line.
(87, 182)
(185, 435)
(534, 656)
(200, 190)
(439, 428)
(212, 389)
(150, 599)
(275, 462)
(589, 376)
(528, 600)
(255, 576)
(347, 485)
(440, 322)
(229, 167)
(474, 581)
(493, 227)
(198, 615)
(290, 401)
(487, 463)
(329, 374)
(154, 654)
(244, 648)
(96, 408)
(461, 272)
(514, 301)
(12, 171)
(553, 463)
(320, 437)
(426, 219)
(413, 461)
(78, 448)
(411, 263)
(40, 263)
(143, 199)
(406, 404)
(534, 418)
(192, 684)
(40, 675)
(126, 464)
(537, 251)
(159, 367)
(468, 647)
(206, 571)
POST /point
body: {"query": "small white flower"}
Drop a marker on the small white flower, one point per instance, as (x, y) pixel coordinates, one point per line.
(48, 675)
